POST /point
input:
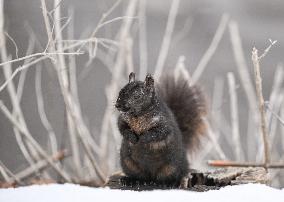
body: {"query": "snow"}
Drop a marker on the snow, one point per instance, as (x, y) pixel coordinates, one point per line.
(74, 193)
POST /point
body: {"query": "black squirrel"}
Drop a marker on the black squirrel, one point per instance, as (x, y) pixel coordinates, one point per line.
(159, 123)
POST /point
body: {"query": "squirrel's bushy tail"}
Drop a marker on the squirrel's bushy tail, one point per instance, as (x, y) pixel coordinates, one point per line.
(188, 105)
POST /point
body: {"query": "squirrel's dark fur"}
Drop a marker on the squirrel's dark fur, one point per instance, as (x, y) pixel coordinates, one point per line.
(158, 125)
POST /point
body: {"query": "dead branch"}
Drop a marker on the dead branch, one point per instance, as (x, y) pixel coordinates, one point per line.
(117, 69)
(167, 38)
(32, 141)
(38, 54)
(221, 163)
(142, 39)
(258, 84)
(211, 49)
(41, 111)
(74, 92)
(234, 116)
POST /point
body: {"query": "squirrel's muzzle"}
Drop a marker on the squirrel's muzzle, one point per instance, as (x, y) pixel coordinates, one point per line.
(121, 108)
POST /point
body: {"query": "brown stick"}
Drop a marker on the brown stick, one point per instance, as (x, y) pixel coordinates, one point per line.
(221, 163)
(258, 84)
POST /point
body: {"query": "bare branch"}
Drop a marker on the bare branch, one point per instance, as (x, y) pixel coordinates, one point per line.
(142, 39)
(117, 69)
(211, 49)
(272, 43)
(167, 38)
(42, 113)
(258, 84)
(267, 105)
(214, 141)
(235, 116)
(221, 163)
(29, 137)
(38, 54)
(14, 43)
(74, 93)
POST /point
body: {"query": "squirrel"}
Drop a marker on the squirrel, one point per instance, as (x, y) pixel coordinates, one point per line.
(159, 124)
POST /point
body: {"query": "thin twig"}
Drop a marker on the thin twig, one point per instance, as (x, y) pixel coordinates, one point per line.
(39, 54)
(14, 43)
(258, 84)
(129, 56)
(20, 88)
(241, 64)
(211, 49)
(143, 68)
(275, 101)
(33, 142)
(22, 78)
(282, 128)
(181, 71)
(247, 83)
(272, 43)
(217, 100)
(234, 116)
(3, 173)
(8, 173)
(104, 16)
(183, 33)
(267, 105)
(74, 92)
(167, 38)
(42, 113)
(7, 69)
(221, 163)
(214, 141)
(117, 69)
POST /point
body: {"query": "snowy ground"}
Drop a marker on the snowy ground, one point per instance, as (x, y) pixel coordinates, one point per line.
(74, 193)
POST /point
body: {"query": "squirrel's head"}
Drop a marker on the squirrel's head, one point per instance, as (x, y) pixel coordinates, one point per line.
(136, 97)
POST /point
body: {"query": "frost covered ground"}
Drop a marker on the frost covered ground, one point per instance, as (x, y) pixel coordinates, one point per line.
(74, 193)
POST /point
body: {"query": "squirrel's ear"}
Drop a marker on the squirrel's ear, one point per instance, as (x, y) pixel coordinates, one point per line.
(149, 81)
(131, 77)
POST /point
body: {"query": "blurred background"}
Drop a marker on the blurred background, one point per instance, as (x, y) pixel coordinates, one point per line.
(195, 26)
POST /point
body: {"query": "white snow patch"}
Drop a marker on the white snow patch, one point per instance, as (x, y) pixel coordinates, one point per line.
(74, 193)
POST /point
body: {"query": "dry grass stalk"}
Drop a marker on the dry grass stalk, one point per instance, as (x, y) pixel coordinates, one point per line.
(258, 84)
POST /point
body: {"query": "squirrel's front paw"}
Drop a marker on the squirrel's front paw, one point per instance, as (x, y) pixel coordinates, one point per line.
(132, 138)
(145, 138)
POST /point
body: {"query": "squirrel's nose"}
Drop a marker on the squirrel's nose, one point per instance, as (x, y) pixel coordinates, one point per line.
(117, 106)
